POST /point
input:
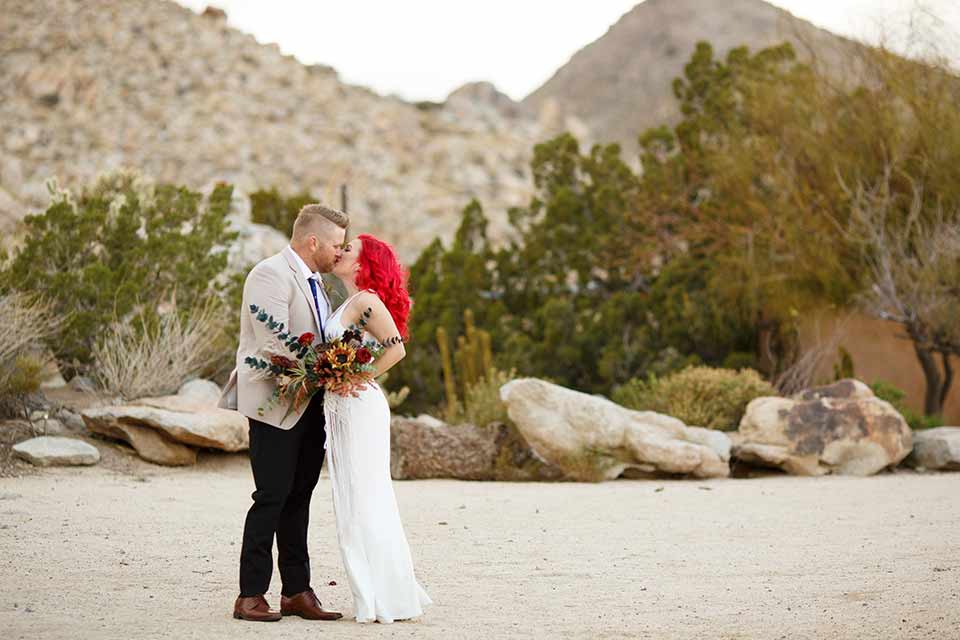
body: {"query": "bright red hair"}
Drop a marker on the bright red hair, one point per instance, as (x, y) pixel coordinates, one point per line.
(381, 271)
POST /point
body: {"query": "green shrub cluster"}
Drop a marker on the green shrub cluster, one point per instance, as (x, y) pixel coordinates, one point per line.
(895, 396)
(123, 250)
(562, 302)
(699, 396)
(481, 403)
(268, 206)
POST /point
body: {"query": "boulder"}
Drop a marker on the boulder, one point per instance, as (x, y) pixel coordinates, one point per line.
(50, 427)
(839, 428)
(425, 447)
(591, 438)
(254, 243)
(190, 417)
(55, 451)
(150, 444)
(71, 420)
(82, 383)
(937, 448)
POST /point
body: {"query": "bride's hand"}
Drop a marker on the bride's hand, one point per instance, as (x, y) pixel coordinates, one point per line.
(347, 389)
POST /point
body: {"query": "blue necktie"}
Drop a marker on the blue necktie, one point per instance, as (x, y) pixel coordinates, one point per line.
(316, 304)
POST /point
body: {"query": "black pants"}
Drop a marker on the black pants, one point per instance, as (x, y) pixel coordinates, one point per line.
(286, 466)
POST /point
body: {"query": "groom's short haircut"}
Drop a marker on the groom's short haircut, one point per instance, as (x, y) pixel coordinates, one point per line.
(314, 217)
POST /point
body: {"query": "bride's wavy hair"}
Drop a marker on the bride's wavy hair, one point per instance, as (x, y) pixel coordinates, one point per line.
(382, 272)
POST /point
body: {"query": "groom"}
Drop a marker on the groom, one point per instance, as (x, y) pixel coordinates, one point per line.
(286, 455)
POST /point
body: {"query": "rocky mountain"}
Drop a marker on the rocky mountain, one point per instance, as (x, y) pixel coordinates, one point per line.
(621, 84)
(86, 87)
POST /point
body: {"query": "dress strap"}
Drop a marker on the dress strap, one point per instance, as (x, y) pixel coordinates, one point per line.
(344, 305)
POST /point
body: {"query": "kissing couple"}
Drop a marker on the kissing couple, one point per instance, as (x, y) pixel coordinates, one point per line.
(349, 423)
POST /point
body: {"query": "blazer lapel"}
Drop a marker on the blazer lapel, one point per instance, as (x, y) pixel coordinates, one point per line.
(302, 284)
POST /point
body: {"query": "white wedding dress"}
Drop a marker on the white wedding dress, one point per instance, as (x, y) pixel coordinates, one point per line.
(374, 548)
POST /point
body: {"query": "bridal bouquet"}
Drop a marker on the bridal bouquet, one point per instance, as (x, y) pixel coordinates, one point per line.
(307, 365)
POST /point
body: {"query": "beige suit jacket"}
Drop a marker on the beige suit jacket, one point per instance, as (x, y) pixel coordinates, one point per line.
(277, 286)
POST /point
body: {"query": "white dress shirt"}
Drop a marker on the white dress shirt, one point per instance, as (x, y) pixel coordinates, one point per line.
(312, 275)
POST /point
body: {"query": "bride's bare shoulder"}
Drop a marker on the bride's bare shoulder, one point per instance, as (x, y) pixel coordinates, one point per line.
(368, 300)
(361, 302)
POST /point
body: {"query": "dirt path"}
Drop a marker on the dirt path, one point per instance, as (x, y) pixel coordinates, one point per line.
(95, 553)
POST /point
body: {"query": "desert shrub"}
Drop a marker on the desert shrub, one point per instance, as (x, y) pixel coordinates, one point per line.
(154, 356)
(482, 403)
(122, 248)
(699, 396)
(895, 396)
(271, 208)
(26, 322)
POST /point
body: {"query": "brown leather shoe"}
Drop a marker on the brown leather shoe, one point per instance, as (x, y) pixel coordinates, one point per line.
(306, 605)
(254, 609)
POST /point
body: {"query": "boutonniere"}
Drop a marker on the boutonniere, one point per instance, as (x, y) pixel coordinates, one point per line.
(327, 287)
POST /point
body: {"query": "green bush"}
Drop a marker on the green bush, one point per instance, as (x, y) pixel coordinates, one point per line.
(482, 404)
(20, 379)
(271, 208)
(122, 249)
(699, 396)
(26, 321)
(895, 396)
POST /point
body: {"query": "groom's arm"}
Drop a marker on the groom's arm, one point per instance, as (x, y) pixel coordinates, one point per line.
(271, 293)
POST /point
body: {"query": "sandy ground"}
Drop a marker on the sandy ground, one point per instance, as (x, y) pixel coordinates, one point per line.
(101, 553)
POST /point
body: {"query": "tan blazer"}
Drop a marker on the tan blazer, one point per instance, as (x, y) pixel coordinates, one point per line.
(278, 287)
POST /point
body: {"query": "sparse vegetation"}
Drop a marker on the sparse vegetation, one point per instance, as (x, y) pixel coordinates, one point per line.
(699, 396)
(157, 355)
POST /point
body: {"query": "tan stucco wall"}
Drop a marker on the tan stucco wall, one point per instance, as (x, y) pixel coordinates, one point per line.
(880, 352)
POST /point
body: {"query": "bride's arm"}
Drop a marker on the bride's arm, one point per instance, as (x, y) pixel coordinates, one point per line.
(381, 326)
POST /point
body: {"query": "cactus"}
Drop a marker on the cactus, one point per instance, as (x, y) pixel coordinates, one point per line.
(843, 368)
(471, 363)
(474, 358)
(396, 398)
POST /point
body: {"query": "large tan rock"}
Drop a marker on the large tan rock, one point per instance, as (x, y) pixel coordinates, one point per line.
(425, 447)
(839, 428)
(591, 438)
(150, 444)
(937, 448)
(190, 417)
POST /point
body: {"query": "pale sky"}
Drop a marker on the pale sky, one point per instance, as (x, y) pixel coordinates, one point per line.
(424, 49)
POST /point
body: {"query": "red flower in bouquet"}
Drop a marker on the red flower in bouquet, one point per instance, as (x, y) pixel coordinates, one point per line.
(281, 361)
(342, 363)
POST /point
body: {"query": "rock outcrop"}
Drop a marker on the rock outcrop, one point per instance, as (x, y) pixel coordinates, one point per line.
(591, 438)
(168, 429)
(150, 444)
(622, 83)
(936, 449)
(183, 98)
(839, 428)
(425, 447)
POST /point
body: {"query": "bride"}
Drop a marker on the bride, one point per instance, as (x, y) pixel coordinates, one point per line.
(372, 542)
